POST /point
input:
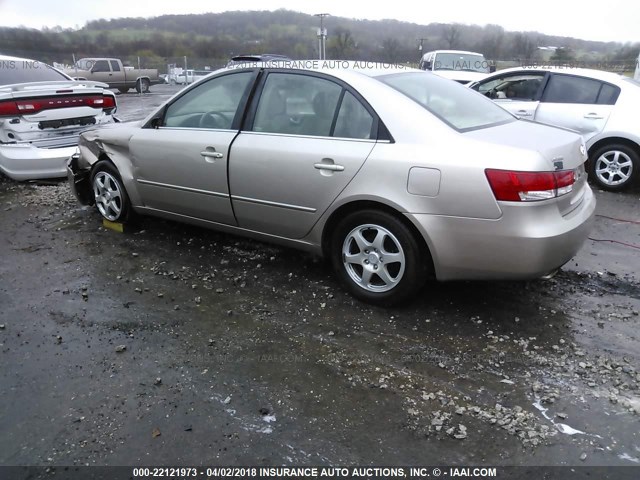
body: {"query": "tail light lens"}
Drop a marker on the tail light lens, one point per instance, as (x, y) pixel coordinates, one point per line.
(514, 186)
(35, 105)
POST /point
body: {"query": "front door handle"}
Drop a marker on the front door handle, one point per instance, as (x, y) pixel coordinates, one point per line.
(593, 116)
(210, 154)
(328, 166)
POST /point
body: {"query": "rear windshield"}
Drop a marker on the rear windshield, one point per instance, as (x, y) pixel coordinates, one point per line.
(25, 71)
(456, 105)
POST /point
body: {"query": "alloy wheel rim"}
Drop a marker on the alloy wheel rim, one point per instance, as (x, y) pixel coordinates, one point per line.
(373, 258)
(108, 195)
(614, 168)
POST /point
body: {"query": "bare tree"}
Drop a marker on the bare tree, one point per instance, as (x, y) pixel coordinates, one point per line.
(390, 49)
(452, 34)
(342, 44)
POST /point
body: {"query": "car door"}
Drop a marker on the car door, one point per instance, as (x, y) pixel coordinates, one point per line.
(306, 139)
(519, 93)
(101, 72)
(117, 77)
(579, 103)
(181, 166)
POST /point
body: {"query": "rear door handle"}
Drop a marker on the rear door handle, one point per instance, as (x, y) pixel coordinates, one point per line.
(593, 116)
(328, 166)
(523, 113)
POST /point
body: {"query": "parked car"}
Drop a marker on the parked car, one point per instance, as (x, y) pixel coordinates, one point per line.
(603, 107)
(115, 74)
(187, 77)
(458, 65)
(261, 57)
(42, 113)
(395, 175)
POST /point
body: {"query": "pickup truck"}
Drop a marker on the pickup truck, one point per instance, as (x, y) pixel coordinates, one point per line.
(112, 72)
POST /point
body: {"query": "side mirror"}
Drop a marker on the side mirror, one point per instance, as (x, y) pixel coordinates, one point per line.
(492, 68)
(427, 66)
(156, 122)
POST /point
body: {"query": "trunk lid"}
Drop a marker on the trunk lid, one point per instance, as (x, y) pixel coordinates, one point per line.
(562, 149)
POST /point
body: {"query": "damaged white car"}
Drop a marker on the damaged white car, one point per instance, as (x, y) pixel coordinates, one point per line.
(42, 114)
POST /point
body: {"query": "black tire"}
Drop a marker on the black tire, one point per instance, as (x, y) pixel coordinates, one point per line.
(142, 85)
(623, 168)
(123, 90)
(110, 196)
(403, 277)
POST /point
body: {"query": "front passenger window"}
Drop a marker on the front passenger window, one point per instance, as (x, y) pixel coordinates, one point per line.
(211, 105)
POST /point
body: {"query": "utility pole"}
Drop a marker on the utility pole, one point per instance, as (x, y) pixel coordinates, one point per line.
(421, 40)
(322, 37)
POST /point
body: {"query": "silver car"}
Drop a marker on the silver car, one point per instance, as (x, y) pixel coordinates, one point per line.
(42, 113)
(601, 106)
(394, 175)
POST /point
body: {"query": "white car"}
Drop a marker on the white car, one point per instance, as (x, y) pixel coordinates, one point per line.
(458, 65)
(42, 114)
(188, 77)
(603, 107)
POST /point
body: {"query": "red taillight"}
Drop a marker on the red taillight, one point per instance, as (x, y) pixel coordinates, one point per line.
(8, 107)
(35, 105)
(513, 186)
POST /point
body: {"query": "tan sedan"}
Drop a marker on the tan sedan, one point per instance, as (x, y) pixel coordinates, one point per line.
(395, 175)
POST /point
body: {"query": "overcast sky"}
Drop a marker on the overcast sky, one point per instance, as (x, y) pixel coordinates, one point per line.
(607, 20)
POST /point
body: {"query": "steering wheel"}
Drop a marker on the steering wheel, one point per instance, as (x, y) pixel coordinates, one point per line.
(212, 120)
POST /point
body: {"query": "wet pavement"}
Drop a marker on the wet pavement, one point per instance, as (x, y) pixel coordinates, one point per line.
(175, 345)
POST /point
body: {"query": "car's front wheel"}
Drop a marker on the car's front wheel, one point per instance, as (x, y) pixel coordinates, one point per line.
(614, 167)
(110, 196)
(378, 257)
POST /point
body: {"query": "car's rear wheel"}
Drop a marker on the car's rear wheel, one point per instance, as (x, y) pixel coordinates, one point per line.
(378, 257)
(142, 85)
(614, 167)
(110, 196)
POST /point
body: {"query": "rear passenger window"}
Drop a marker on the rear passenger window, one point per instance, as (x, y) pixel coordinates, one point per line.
(354, 121)
(297, 105)
(608, 94)
(570, 89)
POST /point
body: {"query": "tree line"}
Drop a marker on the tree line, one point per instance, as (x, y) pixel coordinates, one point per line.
(216, 37)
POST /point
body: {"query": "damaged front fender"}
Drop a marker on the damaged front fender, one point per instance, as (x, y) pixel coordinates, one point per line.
(80, 180)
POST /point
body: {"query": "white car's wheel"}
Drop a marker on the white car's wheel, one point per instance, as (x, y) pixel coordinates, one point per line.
(614, 167)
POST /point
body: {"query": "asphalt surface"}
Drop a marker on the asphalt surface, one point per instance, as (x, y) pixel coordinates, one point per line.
(174, 345)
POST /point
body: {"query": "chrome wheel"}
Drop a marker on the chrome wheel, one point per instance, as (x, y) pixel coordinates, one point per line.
(108, 194)
(373, 258)
(613, 168)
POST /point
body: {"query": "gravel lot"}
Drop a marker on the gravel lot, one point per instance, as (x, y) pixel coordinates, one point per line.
(175, 345)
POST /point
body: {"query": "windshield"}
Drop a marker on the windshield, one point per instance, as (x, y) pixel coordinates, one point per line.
(461, 61)
(458, 106)
(25, 71)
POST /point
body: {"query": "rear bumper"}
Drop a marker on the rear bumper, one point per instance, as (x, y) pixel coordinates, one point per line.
(525, 243)
(27, 162)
